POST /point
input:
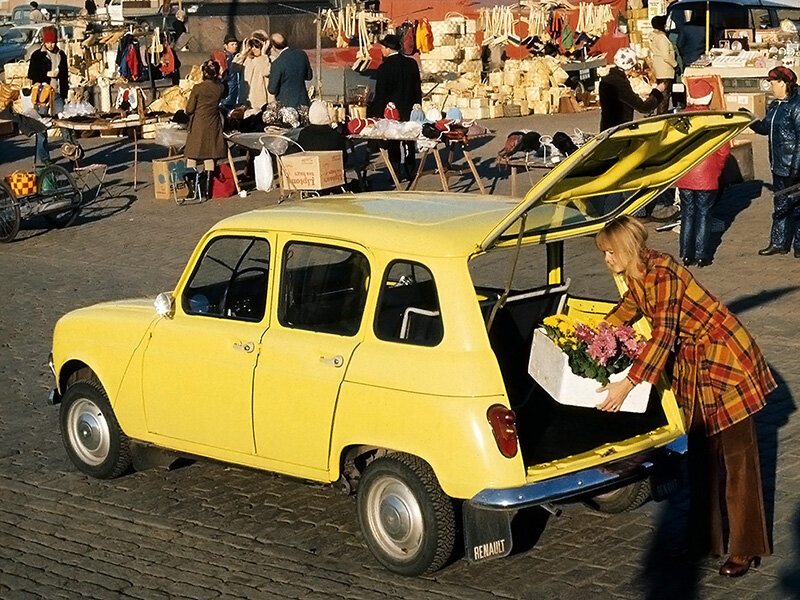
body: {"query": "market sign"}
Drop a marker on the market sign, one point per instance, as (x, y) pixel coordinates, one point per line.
(618, 172)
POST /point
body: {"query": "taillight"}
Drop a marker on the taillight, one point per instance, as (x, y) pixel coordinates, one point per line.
(504, 427)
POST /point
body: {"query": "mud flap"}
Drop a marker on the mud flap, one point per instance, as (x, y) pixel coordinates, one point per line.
(487, 533)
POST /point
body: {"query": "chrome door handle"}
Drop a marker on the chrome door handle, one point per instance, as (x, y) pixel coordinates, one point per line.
(337, 361)
(245, 347)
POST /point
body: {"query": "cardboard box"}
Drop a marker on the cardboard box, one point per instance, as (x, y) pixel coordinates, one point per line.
(312, 170)
(549, 366)
(756, 103)
(162, 183)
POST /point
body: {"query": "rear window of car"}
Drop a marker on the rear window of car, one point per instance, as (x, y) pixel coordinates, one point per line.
(408, 308)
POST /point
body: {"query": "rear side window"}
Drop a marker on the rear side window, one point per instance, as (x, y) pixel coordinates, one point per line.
(323, 288)
(230, 280)
(408, 308)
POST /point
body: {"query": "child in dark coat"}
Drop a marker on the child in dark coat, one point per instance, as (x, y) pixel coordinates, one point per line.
(699, 188)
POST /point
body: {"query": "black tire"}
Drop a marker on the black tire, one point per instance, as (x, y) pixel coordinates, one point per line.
(407, 520)
(55, 184)
(624, 499)
(9, 213)
(94, 441)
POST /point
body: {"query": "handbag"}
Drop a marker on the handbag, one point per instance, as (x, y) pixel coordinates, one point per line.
(264, 173)
(223, 185)
(22, 183)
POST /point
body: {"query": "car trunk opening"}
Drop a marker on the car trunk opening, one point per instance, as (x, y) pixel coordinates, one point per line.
(549, 431)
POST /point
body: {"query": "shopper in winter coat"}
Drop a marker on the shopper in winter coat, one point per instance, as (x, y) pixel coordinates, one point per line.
(617, 98)
(290, 71)
(662, 59)
(720, 379)
(699, 188)
(205, 144)
(48, 65)
(782, 125)
(255, 74)
(232, 73)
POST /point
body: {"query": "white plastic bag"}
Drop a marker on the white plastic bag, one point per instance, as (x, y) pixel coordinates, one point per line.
(264, 172)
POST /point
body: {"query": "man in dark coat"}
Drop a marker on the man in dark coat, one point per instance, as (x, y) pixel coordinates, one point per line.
(617, 98)
(48, 65)
(397, 80)
(289, 73)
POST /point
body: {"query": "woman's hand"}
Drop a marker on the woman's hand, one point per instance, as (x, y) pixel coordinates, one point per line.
(617, 392)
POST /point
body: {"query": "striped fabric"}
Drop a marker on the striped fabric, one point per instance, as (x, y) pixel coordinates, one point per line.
(717, 362)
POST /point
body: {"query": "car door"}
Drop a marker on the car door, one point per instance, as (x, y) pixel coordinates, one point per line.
(197, 373)
(305, 354)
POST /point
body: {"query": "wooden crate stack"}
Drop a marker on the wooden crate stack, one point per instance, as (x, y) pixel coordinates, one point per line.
(532, 85)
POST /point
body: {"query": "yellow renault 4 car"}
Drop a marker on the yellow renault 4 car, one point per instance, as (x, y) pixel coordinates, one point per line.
(344, 340)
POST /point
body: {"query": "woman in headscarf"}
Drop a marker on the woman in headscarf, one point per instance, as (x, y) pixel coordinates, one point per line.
(205, 144)
(256, 67)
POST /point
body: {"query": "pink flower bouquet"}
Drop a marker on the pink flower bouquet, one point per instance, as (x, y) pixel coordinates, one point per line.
(594, 352)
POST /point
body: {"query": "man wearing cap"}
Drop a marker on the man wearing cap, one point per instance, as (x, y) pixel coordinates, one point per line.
(699, 188)
(782, 125)
(289, 72)
(231, 73)
(397, 81)
(617, 98)
(48, 65)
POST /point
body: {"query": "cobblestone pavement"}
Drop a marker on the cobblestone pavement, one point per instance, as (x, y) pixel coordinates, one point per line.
(208, 530)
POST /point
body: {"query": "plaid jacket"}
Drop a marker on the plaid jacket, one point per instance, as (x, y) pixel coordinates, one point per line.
(718, 365)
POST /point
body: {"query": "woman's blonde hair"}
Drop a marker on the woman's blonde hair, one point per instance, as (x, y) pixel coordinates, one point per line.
(627, 238)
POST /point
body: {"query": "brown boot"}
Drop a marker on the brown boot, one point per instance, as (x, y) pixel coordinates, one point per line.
(736, 566)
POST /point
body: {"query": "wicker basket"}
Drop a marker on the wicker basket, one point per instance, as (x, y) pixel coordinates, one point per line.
(16, 74)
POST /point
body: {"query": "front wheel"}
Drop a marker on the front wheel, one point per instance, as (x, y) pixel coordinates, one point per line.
(94, 441)
(407, 520)
(57, 188)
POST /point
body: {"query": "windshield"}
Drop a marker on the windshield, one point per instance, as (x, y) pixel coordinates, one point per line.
(17, 36)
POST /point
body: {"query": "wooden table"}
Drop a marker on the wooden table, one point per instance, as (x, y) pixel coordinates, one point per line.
(100, 124)
(428, 147)
(522, 162)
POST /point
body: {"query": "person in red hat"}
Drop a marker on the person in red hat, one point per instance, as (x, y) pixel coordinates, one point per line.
(782, 125)
(48, 65)
(699, 187)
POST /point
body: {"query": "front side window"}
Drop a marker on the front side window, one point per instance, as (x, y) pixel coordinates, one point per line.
(323, 288)
(408, 308)
(230, 280)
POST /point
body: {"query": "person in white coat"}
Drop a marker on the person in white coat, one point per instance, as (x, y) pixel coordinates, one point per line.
(662, 59)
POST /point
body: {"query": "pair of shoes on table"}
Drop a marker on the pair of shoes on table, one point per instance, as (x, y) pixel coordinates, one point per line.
(736, 566)
(770, 250)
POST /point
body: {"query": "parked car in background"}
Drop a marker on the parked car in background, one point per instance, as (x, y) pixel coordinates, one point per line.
(348, 340)
(20, 41)
(21, 14)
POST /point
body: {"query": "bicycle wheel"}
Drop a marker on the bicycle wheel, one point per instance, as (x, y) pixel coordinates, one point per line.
(9, 213)
(61, 199)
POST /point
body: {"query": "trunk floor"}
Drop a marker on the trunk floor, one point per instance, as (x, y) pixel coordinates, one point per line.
(550, 431)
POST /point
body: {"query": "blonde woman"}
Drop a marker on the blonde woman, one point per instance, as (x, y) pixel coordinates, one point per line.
(720, 379)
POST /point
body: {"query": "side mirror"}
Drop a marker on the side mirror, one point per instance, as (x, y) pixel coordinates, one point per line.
(163, 304)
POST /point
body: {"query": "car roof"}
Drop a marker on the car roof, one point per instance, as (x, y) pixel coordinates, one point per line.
(415, 223)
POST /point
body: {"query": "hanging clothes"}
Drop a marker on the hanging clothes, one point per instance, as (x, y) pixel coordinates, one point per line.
(424, 36)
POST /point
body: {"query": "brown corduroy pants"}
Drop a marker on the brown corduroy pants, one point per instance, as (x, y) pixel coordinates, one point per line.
(727, 502)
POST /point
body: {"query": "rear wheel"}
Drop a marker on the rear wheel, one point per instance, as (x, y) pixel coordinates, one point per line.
(9, 214)
(55, 186)
(624, 499)
(407, 520)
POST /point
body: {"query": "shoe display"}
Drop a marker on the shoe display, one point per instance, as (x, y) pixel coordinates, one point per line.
(736, 566)
(703, 262)
(687, 262)
(770, 250)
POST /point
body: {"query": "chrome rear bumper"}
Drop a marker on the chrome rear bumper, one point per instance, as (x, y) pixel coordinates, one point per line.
(580, 483)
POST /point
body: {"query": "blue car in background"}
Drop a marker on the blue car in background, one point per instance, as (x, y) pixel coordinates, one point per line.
(20, 41)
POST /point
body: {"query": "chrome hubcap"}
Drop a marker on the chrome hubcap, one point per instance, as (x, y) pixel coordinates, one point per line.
(88, 431)
(395, 518)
